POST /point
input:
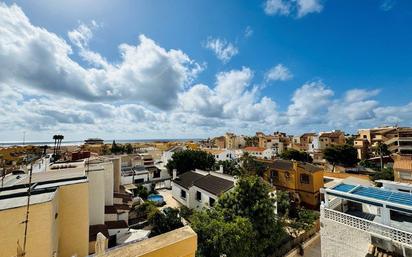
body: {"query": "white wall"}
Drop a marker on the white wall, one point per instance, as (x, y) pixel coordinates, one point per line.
(96, 195)
(176, 194)
(108, 182)
(204, 202)
(125, 180)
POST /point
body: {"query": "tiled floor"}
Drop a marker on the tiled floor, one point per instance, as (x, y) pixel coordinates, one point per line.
(312, 250)
(167, 196)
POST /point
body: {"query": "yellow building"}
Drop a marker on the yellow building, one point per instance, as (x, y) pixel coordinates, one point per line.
(303, 179)
(402, 168)
(58, 221)
(181, 242)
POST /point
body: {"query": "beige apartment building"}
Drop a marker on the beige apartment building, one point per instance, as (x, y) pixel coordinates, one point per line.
(279, 141)
(328, 139)
(58, 220)
(398, 140)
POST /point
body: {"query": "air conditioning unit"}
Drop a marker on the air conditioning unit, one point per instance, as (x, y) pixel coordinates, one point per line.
(383, 244)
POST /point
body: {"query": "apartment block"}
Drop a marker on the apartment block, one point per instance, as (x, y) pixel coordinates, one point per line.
(398, 140)
(58, 213)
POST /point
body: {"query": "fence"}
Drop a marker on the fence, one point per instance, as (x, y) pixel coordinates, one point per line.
(368, 226)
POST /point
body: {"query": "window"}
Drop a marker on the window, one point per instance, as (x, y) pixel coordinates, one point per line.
(405, 175)
(332, 140)
(304, 179)
(274, 174)
(183, 194)
(364, 136)
(211, 201)
(138, 180)
(156, 174)
(198, 196)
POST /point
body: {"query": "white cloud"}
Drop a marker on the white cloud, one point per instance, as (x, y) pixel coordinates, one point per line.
(387, 5)
(233, 97)
(223, 50)
(309, 104)
(278, 7)
(297, 8)
(80, 37)
(248, 32)
(305, 7)
(37, 59)
(278, 72)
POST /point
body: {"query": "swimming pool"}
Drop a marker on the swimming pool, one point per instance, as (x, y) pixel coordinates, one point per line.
(155, 198)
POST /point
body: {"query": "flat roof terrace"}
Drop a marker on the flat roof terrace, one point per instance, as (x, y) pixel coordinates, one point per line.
(374, 196)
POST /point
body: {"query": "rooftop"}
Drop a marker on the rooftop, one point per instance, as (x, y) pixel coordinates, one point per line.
(214, 184)
(186, 179)
(374, 196)
(254, 149)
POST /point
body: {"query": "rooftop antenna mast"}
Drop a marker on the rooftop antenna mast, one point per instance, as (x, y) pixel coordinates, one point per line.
(26, 221)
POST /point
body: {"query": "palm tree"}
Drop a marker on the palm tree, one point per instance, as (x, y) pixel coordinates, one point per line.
(55, 137)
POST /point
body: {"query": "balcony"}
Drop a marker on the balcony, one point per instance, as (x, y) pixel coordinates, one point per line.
(369, 226)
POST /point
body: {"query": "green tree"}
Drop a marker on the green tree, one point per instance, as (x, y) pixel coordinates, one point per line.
(217, 236)
(252, 199)
(304, 222)
(251, 166)
(230, 167)
(105, 150)
(385, 174)
(116, 148)
(128, 148)
(188, 160)
(141, 191)
(345, 155)
(292, 154)
(164, 221)
(382, 150)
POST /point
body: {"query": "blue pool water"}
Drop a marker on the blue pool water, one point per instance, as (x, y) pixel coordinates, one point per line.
(155, 198)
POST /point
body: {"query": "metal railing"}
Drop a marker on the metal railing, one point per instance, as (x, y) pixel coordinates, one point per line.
(368, 226)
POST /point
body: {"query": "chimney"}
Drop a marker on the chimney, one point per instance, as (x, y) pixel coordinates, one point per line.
(174, 174)
(295, 165)
(221, 169)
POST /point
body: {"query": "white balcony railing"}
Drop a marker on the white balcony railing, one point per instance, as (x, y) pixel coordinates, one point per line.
(368, 226)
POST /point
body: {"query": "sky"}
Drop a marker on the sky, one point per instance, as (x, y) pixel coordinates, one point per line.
(196, 69)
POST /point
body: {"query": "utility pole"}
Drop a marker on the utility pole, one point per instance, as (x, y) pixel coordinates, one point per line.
(26, 222)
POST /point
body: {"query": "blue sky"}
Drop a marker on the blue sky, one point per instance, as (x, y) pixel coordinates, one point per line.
(180, 69)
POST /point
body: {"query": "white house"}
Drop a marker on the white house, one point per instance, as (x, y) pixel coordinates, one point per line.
(200, 189)
(167, 154)
(260, 152)
(222, 154)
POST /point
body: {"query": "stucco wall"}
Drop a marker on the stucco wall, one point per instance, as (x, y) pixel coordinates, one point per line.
(204, 202)
(108, 182)
(39, 234)
(73, 220)
(339, 240)
(96, 196)
(176, 194)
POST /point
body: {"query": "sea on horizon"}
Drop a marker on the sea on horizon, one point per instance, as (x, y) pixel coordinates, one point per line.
(68, 143)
